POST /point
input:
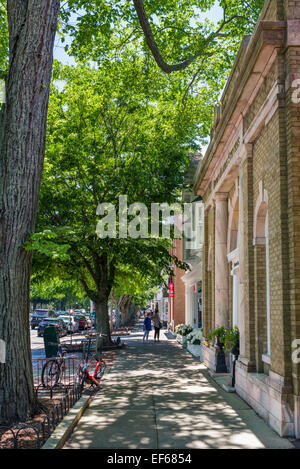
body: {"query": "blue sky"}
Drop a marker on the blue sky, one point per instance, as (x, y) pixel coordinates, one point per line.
(215, 14)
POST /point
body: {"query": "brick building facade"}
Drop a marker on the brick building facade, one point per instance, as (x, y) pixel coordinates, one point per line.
(250, 183)
(177, 304)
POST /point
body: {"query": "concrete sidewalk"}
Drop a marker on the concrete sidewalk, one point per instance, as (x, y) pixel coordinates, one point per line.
(158, 396)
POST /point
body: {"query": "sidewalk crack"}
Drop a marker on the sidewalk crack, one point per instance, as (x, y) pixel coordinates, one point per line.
(155, 420)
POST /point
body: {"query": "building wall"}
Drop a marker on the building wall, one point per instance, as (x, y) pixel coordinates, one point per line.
(179, 296)
(253, 166)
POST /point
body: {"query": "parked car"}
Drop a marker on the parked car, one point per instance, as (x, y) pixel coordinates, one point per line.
(89, 320)
(77, 312)
(61, 313)
(71, 324)
(82, 322)
(37, 317)
(55, 322)
(93, 318)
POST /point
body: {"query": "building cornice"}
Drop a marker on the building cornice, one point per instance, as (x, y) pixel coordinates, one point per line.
(247, 76)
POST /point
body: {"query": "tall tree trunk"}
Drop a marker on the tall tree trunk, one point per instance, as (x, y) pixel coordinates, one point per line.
(32, 27)
(102, 319)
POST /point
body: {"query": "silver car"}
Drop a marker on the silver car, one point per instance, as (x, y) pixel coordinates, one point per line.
(71, 324)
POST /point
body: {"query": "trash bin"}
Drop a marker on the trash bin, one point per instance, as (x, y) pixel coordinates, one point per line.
(51, 341)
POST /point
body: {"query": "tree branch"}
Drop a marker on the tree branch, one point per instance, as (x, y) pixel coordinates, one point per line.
(90, 293)
(149, 36)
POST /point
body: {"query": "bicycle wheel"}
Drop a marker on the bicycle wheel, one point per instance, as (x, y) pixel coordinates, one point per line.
(101, 366)
(50, 374)
(79, 378)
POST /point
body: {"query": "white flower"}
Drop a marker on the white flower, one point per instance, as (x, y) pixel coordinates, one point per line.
(195, 337)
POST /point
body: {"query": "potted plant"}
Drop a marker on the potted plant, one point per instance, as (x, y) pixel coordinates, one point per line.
(182, 331)
(216, 336)
(194, 341)
(232, 341)
(232, 344)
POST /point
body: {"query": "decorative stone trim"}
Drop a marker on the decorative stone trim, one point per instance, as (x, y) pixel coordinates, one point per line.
(269, 397)
(254, 65)
(266, 359)
(259, 241)
(264, 115)
(293, 33)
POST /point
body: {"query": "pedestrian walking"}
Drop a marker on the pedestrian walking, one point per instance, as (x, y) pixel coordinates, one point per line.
(157, 325)
(147, 326)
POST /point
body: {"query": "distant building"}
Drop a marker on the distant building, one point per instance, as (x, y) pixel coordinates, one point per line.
(192, 251)
(177, 303)
(186, 306)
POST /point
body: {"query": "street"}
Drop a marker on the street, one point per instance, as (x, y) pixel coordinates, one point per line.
(36, 342)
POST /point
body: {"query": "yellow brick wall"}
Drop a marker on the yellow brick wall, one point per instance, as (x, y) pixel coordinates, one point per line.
(293, 168)
(276, 162)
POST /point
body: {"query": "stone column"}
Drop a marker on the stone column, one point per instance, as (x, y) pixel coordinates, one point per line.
(187, 305)
(221, 262)
(241, 247)
(246, 260)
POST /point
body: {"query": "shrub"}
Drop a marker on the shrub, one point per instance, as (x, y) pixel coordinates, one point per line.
(228, 337)
(183, 329)
(195, 337)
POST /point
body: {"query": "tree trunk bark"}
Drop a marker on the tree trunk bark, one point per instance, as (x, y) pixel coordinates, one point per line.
(32, 28)
(102, 320)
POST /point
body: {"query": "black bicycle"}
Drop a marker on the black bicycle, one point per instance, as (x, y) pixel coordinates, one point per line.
(53, 369)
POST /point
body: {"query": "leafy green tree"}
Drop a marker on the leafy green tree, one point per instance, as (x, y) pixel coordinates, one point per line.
(134, 287)
(104, 27)
(63, 293)
(107, 136)
(178, 36)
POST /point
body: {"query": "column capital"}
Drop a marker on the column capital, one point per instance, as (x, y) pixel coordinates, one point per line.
(247, 152)
(221, 196)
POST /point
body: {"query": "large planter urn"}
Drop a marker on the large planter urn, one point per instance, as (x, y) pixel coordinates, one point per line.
(220, 358)
(235, 351)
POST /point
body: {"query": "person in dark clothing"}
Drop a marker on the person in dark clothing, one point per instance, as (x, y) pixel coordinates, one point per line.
(157, 325)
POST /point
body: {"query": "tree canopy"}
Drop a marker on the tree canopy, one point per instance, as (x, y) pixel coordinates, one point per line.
(110, 133)
(177, 35)
(122, 126)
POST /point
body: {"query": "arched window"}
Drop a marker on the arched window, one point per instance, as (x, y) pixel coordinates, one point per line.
(262, 278)
(233, 258)
(268, 299)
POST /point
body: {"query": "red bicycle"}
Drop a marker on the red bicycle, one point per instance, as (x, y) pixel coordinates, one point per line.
(84, 376)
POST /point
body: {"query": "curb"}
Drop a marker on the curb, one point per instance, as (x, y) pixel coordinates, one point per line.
(67, 425)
